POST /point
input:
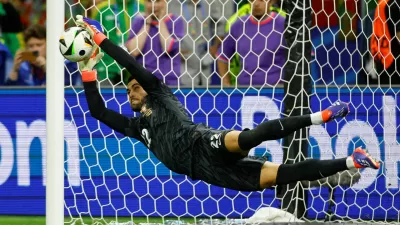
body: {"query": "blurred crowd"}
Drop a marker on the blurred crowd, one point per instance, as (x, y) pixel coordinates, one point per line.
(185, 43)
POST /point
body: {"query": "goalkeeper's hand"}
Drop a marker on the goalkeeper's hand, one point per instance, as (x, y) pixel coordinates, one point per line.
(86, 67)
(93, 27)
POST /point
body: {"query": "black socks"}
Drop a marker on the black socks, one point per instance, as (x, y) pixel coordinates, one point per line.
(272, 130)
(311, 169)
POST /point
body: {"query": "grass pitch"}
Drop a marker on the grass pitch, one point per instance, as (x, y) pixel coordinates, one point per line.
(41, 220)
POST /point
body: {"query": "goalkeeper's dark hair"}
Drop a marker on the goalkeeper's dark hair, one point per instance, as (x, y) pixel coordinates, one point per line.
(130, 78)
(35, 31)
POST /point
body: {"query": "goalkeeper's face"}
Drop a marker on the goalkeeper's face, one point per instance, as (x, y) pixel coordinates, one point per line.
(136, 94)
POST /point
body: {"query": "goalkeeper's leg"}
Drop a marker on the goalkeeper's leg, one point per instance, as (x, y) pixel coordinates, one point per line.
(242, 141)
(313, 169)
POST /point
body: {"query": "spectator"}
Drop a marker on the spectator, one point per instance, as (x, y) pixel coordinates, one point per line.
(245, 9)
(259, 41)
(10, 26)
(385, 44)
(115, 18)
(31, 11)
(154, 41)
(199, 45)
(6, 62)
(30, 64)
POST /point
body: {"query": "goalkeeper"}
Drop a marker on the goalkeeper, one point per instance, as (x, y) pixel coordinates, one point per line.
(218, 157)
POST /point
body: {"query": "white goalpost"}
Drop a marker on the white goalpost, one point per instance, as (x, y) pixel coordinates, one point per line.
(54, 114)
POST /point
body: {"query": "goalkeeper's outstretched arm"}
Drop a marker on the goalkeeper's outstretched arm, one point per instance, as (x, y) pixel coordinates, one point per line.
(146, 79)
(97, 108)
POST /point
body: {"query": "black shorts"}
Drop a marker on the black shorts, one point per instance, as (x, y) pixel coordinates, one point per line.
(214, 164)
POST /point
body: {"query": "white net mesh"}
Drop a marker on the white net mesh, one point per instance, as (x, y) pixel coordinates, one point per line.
(119, 179)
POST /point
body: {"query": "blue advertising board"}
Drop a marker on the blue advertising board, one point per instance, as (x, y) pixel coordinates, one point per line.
(111, 175)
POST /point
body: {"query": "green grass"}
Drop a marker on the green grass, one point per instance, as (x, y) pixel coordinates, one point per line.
(22, 220)
(41, 220)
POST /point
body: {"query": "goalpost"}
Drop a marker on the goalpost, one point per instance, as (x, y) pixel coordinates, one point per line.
(119, 179)
(54, 114)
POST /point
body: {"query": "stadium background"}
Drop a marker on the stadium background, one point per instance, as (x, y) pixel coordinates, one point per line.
(22, 140)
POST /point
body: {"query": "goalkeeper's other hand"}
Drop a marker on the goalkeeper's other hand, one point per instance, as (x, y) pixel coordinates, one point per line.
(88, 65)
(93, 27)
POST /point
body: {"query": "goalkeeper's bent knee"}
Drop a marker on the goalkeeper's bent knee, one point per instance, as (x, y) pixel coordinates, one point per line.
(247, 139)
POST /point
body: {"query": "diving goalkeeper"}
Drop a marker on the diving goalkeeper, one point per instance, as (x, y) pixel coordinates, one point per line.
(218, 157)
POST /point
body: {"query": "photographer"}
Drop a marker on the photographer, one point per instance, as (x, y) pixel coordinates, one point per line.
(30, 64)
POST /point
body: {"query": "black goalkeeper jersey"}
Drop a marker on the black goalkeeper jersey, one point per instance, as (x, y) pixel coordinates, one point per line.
(164, 128)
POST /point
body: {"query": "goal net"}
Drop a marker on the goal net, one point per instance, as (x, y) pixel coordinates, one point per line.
(328, 49)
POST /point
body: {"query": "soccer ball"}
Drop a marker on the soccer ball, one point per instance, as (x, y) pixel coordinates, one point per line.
(76, 44)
